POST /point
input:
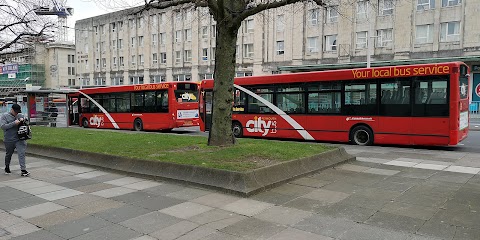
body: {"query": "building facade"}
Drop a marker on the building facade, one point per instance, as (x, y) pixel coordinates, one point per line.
(178, 44)
(47, 65)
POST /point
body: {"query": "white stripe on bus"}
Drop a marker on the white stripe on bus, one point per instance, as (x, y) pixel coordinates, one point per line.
(102, 109)
(281, 113)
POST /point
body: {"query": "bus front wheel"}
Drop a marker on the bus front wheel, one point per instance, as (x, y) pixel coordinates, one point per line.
(237, 129)
(361, 135)
(85, 123)
(138, 124)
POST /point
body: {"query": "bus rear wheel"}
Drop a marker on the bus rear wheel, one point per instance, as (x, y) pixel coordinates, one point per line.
(138, 124)
(85, 123)
(361, 135)
(237, 129)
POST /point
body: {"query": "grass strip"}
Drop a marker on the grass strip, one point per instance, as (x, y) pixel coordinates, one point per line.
(248, 154)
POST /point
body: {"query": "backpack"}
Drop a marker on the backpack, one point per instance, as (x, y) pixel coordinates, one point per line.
(24, 132)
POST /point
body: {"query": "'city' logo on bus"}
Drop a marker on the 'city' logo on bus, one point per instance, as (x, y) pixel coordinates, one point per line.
(96, 121)
(261, 126)
(188, 96)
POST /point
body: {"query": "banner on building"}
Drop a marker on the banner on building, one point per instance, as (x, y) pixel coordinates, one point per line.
(9, 68)
(476, 87)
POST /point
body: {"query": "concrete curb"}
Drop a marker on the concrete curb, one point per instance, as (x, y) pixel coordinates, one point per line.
(240, 183)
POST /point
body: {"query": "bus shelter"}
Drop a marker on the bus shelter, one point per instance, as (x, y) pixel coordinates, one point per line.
(49, 107)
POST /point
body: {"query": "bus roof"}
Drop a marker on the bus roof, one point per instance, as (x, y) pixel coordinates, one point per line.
(132, 88)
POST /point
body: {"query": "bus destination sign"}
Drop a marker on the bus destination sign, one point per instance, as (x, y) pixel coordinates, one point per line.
(400, 71)
(151, 86)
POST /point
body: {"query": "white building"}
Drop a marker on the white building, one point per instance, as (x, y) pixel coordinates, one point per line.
(178, 44)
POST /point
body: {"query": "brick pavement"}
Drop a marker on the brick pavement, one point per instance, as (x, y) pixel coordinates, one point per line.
(388, 193)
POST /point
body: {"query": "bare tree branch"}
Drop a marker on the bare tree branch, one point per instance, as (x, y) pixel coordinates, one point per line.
(270, 5)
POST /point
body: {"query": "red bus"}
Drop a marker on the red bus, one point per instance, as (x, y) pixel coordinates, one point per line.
(158, 106)
(409, 105)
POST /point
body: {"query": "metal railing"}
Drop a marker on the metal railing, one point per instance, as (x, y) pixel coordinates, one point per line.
(475, 109)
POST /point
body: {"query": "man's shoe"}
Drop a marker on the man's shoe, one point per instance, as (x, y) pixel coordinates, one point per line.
(7, 170)
(25, 173)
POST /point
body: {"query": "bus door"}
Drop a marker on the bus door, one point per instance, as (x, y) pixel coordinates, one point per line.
(207, 106)
(73, 114)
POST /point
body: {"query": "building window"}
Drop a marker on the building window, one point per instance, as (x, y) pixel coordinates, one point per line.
(140, 60)
(161, 18)
(117, 81)
(134, 60)
(140, 22)
(280, 48)
(248, 26)
(188, 55)
(140, 41)
(163, 57)
(178, 36)
(423, 5)
(424, 34)
(280, 22)
(361, 42)
(182, 77)
(104, 62)
(248, 50)
(102, 29)
(136, 80)
(384, 38)
(158, 78)
(204, 76)
(362, 9)
(132, 41)
(114, 44)
(102, 46)
(213, 53)
(313, 16)
(204, 32)
(99, 81)
(162, 38)
(120, 43)
(154, 39)
(121, 63)
(85, 81)
(205, 54)
(243, 74)
(188, 15)
(69, 69)
(120, 25)
(214, 31)
(154, 58)
(113, 26)
(331, 43)
(386, 7)
(450, 32)
(95, 29)
(188, 35)
(448, 3)
(178, 17)
(332, 14)
(312, 44)
(71, 82)
(178, 56)
(114, 61)
(73, 70)
(154, 20)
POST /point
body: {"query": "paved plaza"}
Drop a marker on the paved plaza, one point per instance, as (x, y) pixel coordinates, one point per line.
(387, 193)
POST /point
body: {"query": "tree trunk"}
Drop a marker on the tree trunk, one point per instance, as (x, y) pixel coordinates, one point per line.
(226, 45)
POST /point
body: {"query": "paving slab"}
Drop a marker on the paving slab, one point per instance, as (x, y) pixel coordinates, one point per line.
(247, 207)
(114, 232)
(347, 211)
(409, 210)
(44, 189)
(91, 174)
(39, 235)
(197, 234)
(310, 182)
(283, 215)
(174, 231)
(326, 196)
(461, 169)
(150, 222)
(216, 200)
(77, 200)
(124, 181)
(292, 233)
(75, 169)
(252, 228)
(122, 213)
(326, 226)
(65, 193)
(57, 217)
(186, 210)
(94, 187)
(78, 227)
(142, 185)
(395, 222)
(157, 203)
(21, 203)
(273, 197)
(366, 232)
(113, 192)
(37, 210)
(134, 197)
(188, 193)
(98, 206)
(21, 228)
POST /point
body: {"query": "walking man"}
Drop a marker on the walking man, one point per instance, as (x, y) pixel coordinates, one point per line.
(9, 122)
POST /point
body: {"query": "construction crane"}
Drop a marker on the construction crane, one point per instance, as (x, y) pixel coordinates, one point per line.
(56, 8)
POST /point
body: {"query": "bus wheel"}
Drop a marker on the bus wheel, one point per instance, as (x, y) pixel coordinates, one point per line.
(237, 129)
(361, 135)
(138, 124)
(85, 123)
